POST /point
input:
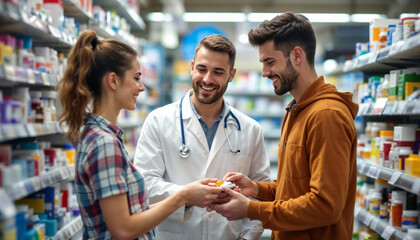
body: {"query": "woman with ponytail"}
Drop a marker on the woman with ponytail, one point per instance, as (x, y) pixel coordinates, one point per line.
(103, 77)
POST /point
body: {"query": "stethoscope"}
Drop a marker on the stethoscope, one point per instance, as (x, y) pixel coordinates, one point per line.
(184, 150)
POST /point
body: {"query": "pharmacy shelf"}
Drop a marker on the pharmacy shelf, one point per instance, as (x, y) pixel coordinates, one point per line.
(28, 186)
(72, 9)
(70, 230)
(13, 75)
(130, 123)
(393, 177)
(14, 21)
(384, 108)
(273, 134)
(264, 114)
(123, 10)
(269, 94)
(381, 227)
(7, 207)
(403, 53)
(15, 131)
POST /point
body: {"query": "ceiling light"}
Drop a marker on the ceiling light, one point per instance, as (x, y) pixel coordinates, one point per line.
(365, 17)
(159, 17)
(213, 17)
(260, 17)
(327, 17)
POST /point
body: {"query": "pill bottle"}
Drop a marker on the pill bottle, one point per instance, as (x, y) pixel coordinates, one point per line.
(397, 210)
(375, 199)
(412, 165)
(402, 155)
(409, 219)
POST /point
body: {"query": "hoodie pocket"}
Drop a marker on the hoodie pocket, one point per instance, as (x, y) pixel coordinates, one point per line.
(296, 162)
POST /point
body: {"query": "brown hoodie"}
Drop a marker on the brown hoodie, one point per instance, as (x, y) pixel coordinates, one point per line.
(314, 194)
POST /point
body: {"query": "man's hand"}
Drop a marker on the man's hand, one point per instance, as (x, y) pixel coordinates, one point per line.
(247, 187)
(236, 208)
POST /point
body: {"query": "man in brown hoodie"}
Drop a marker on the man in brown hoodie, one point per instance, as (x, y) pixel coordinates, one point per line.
(314, 193)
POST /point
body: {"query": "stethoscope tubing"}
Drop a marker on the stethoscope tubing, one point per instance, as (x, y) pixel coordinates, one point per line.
(184, 150)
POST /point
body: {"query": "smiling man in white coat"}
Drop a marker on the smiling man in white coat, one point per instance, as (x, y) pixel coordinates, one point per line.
(198, 137)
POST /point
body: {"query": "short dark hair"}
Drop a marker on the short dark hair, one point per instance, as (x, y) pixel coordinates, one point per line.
(288, 30)
(218, 43)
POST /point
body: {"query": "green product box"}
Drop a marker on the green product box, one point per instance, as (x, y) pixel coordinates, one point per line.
(407, 84)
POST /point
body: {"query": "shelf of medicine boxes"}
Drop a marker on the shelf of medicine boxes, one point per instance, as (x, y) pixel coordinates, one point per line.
(123, 10)
(381, 227)
(69, 231)
(381, 107)
(72, 9)
(15, 21)
(28, 186)
(394, 177)
(260, 112)
(13, 75)
(404, 53)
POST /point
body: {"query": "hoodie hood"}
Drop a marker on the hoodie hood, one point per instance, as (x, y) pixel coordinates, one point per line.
(321, 90)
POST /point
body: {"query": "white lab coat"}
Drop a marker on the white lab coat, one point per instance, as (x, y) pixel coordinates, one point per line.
(157, 158)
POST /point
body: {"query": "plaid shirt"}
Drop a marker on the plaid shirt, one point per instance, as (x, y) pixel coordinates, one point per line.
(102, 170)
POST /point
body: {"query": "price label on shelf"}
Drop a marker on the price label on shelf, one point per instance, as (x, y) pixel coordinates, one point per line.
(30, 75)
(379, 106)
(54, 31)
(373, 57)
(9, 131)
(7, 208)
(21, 130)
(373, 172)
(387, 233)
(10, 72)
(45, 79)
(368, 219)
(30, 128)
(29, 186)
(374, 223)
(401, 107)
(388, 108)
(357, 211)
(395, 176)
(416, 109)
(20, 75)
(415, 188)
(409, 108)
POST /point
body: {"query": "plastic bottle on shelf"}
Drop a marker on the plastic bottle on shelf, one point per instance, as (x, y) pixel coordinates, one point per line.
(22, 95)
(26, 55)
(375, 199)
(402, 155)
(397, 35)
(397, 211)
(50, 109)
(412, 165)
(382, 39)
(56, 11)
(70, 152)
(405, 136)
(408, 20)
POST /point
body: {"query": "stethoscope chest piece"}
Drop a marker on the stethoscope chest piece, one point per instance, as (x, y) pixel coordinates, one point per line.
(184, 151)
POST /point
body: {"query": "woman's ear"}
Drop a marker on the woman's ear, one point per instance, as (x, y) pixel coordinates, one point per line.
(112, 80)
